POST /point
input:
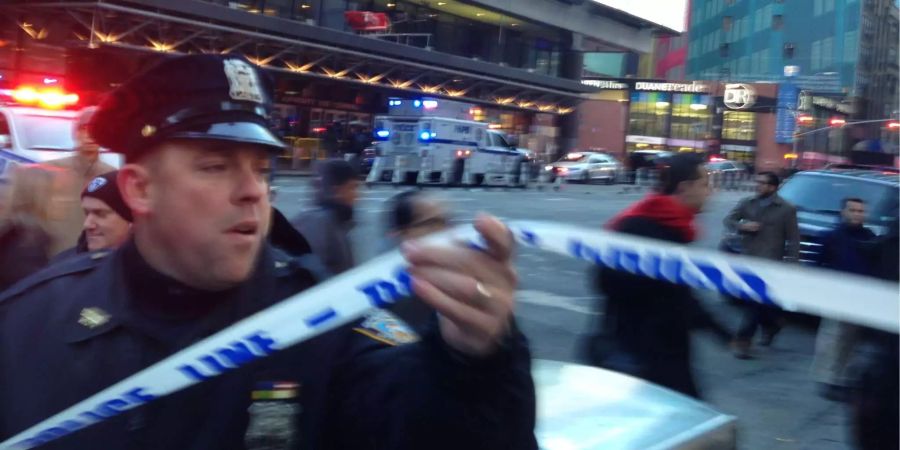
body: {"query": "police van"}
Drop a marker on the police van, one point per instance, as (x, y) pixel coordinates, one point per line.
(429, 141)
(37, 125)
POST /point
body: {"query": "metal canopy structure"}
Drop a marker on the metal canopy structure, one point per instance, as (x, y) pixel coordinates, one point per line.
(98, 24)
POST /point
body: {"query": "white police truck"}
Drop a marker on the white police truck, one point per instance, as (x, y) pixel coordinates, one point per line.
(36, 127)
(429, 141)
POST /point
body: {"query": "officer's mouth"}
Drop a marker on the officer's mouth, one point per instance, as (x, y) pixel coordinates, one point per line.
(246, 229)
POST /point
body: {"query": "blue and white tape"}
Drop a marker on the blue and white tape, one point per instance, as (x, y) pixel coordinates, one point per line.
(384, 281)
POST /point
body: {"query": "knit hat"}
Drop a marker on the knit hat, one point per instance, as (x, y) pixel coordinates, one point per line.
(104, 187)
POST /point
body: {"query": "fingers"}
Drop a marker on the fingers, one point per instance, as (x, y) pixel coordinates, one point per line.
(500, 241)
(465, 289)
(461, 314)
(473, 263)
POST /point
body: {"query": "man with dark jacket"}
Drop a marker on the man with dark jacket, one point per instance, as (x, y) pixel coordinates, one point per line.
(193, 131)
(327, 226)
(647, 322)
(849, 248)
(768, 226)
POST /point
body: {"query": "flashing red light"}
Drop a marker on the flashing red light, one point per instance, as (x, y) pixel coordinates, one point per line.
(894, 125)
(716, 159)
(319, 129)
(805, 119)
(50, 98)
(837, 122)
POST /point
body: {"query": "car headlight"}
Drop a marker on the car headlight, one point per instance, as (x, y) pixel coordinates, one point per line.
(548, 167)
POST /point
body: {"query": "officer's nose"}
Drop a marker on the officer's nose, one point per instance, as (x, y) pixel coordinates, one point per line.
(252, 185)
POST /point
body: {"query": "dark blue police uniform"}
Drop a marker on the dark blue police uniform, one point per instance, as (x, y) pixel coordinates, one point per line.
(85, 323)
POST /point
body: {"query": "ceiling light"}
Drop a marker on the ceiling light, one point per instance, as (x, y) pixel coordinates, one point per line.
(479, 14)
(513, 24)
(441, 3)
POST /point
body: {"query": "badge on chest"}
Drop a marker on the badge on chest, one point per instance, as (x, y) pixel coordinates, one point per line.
(274, 415)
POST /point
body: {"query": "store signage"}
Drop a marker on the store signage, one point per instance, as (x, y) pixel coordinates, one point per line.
(789, 101)
(605, 84)
(670, 87)
(739, 96)
(645, 140)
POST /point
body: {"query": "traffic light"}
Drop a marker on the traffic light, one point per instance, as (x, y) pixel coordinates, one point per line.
(837, 122)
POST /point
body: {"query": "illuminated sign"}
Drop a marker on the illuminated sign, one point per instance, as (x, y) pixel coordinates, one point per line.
(605, 84)
(670, 87)
(739, 96)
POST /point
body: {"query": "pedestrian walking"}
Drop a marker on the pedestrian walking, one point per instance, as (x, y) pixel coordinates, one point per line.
(645, 329)
(848, 248)
(327, 226)
(768, 228)
(193, 132)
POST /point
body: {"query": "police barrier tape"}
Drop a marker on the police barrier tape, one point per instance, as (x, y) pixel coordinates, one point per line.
(384, 281)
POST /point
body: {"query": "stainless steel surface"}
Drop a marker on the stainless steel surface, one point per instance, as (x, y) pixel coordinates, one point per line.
(581, 407)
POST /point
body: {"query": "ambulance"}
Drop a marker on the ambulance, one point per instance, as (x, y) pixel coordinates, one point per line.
(37, 125)
(432, 141)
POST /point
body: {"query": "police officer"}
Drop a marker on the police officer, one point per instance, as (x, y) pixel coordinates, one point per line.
(193, 132)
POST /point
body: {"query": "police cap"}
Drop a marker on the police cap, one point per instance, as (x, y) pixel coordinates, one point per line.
(221, 97)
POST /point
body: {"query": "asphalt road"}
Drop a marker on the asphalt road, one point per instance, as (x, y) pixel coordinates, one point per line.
(772, 395)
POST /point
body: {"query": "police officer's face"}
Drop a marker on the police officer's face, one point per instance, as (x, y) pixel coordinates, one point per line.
(203, 210)
(103, 227)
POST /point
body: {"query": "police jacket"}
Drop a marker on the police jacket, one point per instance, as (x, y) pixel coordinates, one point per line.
(81, 325)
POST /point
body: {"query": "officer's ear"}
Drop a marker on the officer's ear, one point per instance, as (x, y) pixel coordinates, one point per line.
(134, 182)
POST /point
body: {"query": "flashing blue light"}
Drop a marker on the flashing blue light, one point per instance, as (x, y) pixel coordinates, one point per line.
(417, 103)
(425, 136)
(395, 102)
(382, 133)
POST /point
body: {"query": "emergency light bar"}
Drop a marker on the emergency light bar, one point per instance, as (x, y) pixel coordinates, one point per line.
(48, 98)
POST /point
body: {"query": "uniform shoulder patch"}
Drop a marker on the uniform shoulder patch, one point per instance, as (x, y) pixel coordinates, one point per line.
(83, 262)
(385, 327)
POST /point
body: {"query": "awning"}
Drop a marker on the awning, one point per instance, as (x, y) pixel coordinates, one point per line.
(189, 26)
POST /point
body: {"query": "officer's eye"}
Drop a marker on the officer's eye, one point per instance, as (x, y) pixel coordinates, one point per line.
(214, 168)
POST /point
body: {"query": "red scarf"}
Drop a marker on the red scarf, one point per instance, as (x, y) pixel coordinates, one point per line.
(664, 209)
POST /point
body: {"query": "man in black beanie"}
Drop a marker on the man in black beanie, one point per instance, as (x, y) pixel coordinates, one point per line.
(327, 227)
(107, 220)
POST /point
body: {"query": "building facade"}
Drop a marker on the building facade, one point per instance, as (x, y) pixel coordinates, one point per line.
(737, 121)
(336, 62)
(842, 48)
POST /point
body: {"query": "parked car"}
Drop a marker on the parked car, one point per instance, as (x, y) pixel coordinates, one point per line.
(724, 166)
(585, 167)
(641, 159)
(817, 194)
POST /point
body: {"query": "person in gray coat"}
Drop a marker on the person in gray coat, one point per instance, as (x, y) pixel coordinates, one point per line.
(768, 228)
(327, 226)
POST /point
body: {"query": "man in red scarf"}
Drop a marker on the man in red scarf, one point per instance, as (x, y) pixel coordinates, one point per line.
(647, 322)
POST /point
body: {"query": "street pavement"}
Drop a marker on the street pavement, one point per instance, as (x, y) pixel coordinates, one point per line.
(772, 395)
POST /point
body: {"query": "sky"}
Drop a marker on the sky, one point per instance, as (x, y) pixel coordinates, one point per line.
(668, 13)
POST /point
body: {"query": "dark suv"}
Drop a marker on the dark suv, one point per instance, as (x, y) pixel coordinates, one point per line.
(817, 194)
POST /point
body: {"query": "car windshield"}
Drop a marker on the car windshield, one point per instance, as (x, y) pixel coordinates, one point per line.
(818, 193)
(575, 157)
(719, 166)
(45, 133)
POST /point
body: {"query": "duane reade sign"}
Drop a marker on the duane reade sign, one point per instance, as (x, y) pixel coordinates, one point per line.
(739, 96)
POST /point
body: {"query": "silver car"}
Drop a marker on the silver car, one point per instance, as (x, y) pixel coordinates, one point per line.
(585, 167)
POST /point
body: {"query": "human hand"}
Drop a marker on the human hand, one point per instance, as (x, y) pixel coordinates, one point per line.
(471, 290)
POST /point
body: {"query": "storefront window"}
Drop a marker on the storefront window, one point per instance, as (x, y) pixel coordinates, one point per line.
(739, 126)
(691, 115)
(649, 113)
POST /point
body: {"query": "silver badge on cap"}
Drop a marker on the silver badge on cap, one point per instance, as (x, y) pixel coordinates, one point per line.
(96, 183)
(242, 81)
